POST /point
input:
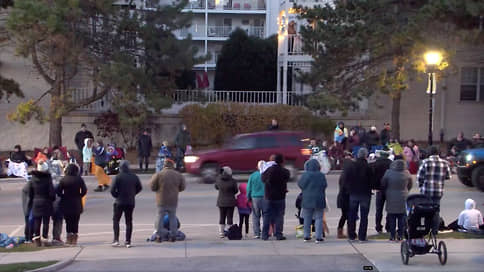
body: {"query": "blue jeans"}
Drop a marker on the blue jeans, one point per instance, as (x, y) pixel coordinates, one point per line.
(392, 220)
(161, 230)
(363, 202)
(273, 213)
(309, 215)
(257, 212)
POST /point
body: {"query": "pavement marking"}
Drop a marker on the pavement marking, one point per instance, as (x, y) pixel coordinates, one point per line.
(363, 255)
(13, 233)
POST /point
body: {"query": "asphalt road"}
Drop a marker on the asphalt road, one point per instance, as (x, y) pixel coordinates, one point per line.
(199, 217)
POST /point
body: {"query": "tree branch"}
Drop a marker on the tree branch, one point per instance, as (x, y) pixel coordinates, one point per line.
(42, 72)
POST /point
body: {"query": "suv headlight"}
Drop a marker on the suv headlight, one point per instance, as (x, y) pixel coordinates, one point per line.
(469, 158)
(190, 159)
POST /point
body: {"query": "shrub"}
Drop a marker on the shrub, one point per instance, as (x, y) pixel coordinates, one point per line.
(213, 123)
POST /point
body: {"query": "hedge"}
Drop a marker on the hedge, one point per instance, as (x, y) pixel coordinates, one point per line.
(213, 123)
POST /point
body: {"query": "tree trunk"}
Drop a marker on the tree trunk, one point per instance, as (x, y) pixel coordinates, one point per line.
(55, 119)
(396, 116)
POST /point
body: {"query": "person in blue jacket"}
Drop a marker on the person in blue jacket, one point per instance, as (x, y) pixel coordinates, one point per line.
(313, 185)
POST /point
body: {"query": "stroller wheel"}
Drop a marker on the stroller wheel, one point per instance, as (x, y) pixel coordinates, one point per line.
(442, 253)
(404, 252)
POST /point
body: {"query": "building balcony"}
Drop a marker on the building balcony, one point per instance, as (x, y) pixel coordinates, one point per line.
(217, 32)
(227, 6)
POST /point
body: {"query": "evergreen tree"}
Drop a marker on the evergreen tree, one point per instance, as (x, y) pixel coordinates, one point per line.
(362, 46)
(247, 63)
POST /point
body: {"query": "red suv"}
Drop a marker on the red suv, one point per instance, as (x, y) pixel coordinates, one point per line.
(244, 151)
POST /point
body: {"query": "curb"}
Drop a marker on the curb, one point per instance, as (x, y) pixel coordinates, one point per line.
(59, 265)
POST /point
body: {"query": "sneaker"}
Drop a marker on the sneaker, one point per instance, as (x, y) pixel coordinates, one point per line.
(281, 238)
(319, 241)
(105, 187)
(172, 239)
(257, 237)
(115, 244)
(127, 245)
(363, 241)
(307, 239)
(98, 189)
(221, 235)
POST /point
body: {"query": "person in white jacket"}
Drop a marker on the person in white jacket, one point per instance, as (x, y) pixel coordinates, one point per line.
(470, 218)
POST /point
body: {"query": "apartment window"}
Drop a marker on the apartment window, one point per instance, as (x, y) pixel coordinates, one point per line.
(472, 84)
(245, 22)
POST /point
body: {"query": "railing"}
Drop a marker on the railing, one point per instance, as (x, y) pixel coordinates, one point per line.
(97, 106)
(195, 30)
(219, 31)
(294, 45)
(228, 5)
(257, 31)
(247, 97)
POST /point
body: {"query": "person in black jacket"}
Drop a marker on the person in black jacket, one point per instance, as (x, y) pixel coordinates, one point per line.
(378, 168)
(358, 182)
(144, 149)
(343, 198)
(275, 179)
(71, 190)
(385, 134)
(41, 194)
(372, 138)
(125, 187)
(226, 202)
(81, 135)
(27, 209)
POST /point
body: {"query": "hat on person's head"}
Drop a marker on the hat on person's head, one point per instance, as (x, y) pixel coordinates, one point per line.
(227, 171)
(362, 153)
(42, 167)
(373, 128)
(260, 164)
(168, 163)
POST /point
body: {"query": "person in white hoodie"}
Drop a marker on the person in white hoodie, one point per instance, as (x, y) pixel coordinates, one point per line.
(87, 156)
(469, 219)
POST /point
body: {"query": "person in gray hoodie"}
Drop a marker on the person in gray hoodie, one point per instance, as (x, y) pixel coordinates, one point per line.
(396, 183)
(125, 187)
(313, 185)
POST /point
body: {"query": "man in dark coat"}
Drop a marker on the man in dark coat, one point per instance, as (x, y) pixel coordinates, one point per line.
(275, 179)
(125, 187)
(144, 149)
(27, 209)
(378, 169)
(358, 182)
(385, 134)
(182, 140)
(81, 135)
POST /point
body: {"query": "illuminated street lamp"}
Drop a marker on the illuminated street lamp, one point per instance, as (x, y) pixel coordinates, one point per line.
(432, 61)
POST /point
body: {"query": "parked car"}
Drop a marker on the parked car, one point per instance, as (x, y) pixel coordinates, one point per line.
(470, 167)
(244, 151)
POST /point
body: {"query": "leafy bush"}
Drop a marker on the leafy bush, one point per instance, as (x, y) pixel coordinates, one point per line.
(213, 123)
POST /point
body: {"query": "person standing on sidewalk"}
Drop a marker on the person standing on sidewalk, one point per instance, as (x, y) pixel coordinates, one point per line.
(343, 198)
(313, 185)
(80, 138)
(430, 178)
(182, 140)
(144, 149)
(41, 194)
(255, 195)
(226, 202)
(167, 184)
(378, 169)
(275, 179)
(71, 190)
(27, 209)
(358, 182)
(125, 187)
(395, 184)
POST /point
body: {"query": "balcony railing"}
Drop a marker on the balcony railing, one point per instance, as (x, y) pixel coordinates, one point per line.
(294, 45)
(228, 5)
(247, 97)
(97, 106)
(219, 31)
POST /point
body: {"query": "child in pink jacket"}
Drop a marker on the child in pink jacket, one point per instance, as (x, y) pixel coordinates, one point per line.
(243, 206)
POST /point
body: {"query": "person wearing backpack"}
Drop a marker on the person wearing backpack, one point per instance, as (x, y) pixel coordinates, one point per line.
(226, 202)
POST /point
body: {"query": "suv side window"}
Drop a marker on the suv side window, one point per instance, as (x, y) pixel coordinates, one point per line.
(243, 143)
(265, 142)
(292, 140)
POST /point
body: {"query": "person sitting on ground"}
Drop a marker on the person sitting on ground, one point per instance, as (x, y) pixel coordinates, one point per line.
(226, 202)
(396, 183)
(18, 163)
(42, 156)
(470, 218)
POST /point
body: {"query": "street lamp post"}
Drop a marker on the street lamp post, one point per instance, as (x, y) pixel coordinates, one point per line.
(432, 60)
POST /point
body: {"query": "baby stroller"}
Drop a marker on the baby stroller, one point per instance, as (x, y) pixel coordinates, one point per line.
(419, 239)
(115, 155)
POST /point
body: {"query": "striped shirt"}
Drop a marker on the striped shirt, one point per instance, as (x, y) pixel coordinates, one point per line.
(431, 175)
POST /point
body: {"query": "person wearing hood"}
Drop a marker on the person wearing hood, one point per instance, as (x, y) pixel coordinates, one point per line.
(125, 187)
(167, 184)
(357, 179)
(313, 185)
(396, 183)
(243, 206)
(372, 138)
(41, 194)
(86, 156)
(469, 219)
(71, 190)
(100, 161)
(182, 140)
(378, 169)
(255, 195)
(227, 189)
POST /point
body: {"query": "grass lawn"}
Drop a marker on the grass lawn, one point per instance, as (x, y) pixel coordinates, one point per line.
(26, 248)
(448, 235)
(18, 267)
